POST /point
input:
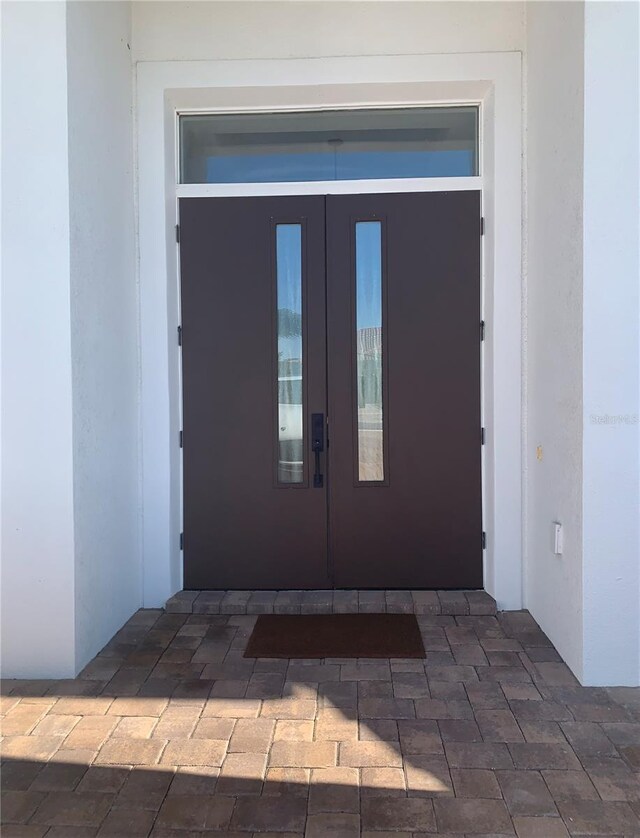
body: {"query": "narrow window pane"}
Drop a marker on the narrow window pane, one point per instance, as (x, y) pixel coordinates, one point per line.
(329, 145)
(289, 305)
(369, 350)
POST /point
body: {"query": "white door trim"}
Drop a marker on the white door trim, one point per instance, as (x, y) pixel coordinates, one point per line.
(163, 89)
(328, 187)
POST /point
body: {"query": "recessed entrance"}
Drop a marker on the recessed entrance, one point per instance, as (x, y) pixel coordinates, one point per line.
(331, 388)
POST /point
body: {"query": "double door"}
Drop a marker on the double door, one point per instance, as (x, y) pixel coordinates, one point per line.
(331, 391)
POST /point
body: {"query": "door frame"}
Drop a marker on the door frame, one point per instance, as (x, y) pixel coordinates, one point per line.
(164, 89)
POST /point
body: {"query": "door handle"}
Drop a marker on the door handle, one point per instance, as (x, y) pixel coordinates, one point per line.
(317, 446)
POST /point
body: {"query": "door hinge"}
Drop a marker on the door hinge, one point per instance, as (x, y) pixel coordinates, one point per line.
(180, 439)
(182, 541)
(179, 335)
(482, 330)
(484, 541)
(178, 233)
(481, 436)
(482, 226)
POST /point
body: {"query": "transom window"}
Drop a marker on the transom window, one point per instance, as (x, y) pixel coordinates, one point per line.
(329, 145)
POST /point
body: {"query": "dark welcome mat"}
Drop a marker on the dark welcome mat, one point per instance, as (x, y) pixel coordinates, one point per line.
(335, 636)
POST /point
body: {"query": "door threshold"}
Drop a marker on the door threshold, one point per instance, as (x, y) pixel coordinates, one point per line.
(434, 603)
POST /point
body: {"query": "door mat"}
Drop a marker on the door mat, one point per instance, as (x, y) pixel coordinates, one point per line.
(335, 636)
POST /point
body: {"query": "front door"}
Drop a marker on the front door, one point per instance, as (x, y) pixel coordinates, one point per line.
(331, 391)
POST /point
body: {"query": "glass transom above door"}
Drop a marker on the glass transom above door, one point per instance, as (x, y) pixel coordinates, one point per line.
(329, 145)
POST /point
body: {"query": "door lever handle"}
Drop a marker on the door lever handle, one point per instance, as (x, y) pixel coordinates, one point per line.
(317, 446)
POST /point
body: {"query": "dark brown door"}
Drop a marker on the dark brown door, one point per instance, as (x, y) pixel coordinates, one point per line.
(404, 390)
(394, 360)
(254, 371)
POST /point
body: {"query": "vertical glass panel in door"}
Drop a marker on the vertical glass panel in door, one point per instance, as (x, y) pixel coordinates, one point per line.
(289, 348)
(369, 350)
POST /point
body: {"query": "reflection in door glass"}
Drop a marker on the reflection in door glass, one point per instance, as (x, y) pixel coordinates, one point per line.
(290, 384)
(369, 350)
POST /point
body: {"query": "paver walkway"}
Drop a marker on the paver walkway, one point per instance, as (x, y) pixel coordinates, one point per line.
(171, 732)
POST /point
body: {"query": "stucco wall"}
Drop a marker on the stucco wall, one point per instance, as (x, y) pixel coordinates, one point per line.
(37, 466)
(553, 326)
(582, 334)
(165, 31)
(104, 322)
(611, 347)
(71, 568)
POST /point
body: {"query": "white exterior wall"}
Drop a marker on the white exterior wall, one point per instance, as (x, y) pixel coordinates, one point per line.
(70, 487)
(104, 322)
(553, 324)
(38, 632)
(611, 346)
(582, 334)
(204, 31)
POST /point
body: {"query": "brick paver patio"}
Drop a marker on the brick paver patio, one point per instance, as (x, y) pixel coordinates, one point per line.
(171, 732)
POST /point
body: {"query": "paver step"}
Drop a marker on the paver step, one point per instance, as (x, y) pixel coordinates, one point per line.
(455, 603)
